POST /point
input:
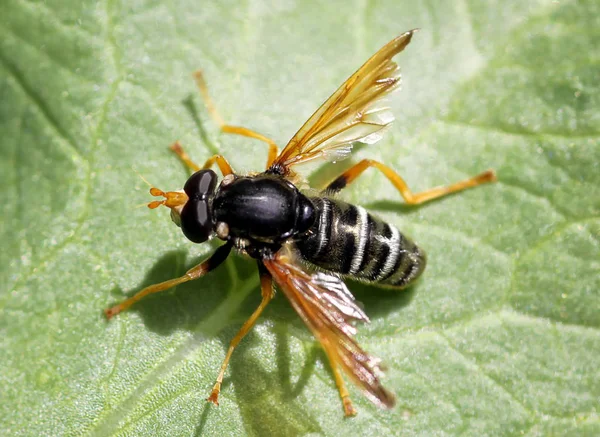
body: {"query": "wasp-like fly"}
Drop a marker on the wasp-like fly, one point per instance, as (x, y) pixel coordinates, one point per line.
(267, 217)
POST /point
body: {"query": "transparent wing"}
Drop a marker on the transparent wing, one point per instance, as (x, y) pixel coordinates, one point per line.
(355, 112)
(327, 307)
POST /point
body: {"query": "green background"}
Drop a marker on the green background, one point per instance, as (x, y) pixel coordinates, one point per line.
(501, 336)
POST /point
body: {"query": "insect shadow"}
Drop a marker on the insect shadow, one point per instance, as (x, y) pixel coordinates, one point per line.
(182, 307)
(191, 107)
(255, 388)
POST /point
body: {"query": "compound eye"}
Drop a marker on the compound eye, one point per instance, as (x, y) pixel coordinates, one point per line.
(200, 184)
(196, 223)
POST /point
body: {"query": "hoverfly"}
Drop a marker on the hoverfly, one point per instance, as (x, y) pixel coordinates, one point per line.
(267, 217)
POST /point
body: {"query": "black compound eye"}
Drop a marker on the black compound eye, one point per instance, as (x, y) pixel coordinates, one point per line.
(200, 184)
(196, 220)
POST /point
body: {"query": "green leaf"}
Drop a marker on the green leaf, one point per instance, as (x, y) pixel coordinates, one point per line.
(500, 337)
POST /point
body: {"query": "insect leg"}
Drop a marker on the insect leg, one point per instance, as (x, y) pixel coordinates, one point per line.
(236, 130)
(176, 147)
(266, 284)
(219, 159)
(409, 197)
(221, 162)
(194, 273)
(349, 409)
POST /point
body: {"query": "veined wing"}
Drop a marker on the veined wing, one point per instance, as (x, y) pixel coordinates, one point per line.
(355, 112)
(327, 307)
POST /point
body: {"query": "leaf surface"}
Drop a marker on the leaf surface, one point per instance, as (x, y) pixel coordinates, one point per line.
(500, 337)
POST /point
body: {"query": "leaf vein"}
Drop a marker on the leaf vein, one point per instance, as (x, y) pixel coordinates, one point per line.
(43, 108)
(565, 215)
(477, 367)
(506, 130)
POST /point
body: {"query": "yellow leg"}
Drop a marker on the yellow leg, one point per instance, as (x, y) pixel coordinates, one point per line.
(218, 159)
(221, 162)
(176, 147)
(236, 130)
(266, 284)
(200, 270)
(349, 409)
(409, 197)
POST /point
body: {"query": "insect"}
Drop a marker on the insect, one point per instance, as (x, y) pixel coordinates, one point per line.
(267, 217)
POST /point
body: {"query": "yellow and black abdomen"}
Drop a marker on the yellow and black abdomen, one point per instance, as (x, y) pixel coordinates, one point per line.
(347, 240)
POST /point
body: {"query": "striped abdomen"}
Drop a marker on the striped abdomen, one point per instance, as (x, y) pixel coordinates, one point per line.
(346, 239)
